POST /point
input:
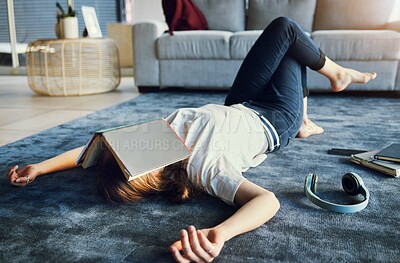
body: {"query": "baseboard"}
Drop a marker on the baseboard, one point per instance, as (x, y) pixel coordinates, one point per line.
(21, 71)
(10, 71)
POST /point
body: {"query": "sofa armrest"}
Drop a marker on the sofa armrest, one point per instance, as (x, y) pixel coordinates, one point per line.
(146, 64)
(395, 25)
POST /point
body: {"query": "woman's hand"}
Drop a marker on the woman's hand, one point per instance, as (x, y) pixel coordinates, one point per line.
(28, 174)
(206, 244)
(24, 176)
(198, 246)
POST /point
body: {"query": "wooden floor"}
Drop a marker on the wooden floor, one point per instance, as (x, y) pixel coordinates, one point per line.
(23, 113)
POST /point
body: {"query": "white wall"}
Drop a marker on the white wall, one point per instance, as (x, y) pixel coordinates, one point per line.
(147, 9)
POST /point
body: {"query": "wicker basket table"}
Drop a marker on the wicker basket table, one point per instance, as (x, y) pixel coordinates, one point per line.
(70, 67)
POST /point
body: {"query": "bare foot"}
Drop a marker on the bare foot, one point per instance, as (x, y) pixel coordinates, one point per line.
(309, 128)
(348, 76)
(341, 77)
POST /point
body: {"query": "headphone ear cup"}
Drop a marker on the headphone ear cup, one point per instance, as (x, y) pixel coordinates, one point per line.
(351, 184)
(314, 181)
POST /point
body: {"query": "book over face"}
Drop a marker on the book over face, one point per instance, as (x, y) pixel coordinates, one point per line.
(138, 149)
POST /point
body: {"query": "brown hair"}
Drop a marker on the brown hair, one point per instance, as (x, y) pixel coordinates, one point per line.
(172, 181)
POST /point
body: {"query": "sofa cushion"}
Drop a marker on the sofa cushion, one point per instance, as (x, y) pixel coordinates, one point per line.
(359, 44)
(262, 12)
(355, 14)
(207, 44)
(226, 15)
(241, 42)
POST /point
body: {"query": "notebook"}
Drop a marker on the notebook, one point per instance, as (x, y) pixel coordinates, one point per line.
(367, 159)
(390, 153)
(138, 149)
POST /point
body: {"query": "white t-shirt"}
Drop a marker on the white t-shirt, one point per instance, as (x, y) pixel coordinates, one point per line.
(225, 141)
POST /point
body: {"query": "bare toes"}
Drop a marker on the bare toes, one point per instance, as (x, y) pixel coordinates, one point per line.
(371, 75)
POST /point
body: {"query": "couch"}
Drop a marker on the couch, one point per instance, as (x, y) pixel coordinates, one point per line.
(362, 34)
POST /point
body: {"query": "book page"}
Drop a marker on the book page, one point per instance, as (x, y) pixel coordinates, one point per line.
(94, 152)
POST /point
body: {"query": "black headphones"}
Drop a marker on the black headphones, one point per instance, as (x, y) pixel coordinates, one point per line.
(352, 184)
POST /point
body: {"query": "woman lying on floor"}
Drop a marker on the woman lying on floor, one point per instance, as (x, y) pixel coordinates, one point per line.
(267, 98)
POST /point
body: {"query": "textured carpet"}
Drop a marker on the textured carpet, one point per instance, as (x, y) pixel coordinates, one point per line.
(61, 218)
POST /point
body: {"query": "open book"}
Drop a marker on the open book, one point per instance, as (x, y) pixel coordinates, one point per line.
(138, 149)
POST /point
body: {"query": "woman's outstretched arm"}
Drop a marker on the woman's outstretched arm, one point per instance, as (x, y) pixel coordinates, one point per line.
(29, 172)
(257, 206)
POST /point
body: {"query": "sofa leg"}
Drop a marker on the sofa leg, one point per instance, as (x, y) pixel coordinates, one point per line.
(147, 89)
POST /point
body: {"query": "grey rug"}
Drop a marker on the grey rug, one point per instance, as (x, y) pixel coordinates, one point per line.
(61, 218)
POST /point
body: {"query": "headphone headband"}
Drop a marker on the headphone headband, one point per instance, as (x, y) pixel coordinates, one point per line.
(310, 183)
